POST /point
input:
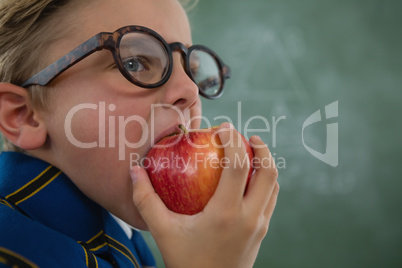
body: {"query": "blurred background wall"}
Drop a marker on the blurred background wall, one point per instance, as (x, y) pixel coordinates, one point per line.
(289, 60)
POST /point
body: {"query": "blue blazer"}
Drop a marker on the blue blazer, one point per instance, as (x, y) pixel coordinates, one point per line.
(46, 221)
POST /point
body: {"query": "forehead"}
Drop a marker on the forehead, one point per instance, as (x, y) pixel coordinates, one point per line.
(166, 17)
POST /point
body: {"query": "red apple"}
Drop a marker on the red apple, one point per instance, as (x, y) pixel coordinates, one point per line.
(185, 169)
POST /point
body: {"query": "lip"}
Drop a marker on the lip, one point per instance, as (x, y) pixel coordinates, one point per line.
(172, 130)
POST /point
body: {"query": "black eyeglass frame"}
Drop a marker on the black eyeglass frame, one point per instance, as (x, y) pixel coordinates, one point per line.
(111, 41)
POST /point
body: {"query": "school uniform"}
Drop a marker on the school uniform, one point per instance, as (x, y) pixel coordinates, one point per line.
(46, 221)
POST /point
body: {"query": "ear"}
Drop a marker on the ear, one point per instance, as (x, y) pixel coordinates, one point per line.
(19, 122)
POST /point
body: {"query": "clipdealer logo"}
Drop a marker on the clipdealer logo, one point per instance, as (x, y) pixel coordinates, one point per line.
(330, 156)
(110, 128)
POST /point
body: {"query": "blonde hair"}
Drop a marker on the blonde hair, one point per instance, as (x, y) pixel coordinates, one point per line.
(27, 30)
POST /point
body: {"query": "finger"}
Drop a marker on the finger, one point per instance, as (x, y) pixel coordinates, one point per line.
(230, 190)
(269, 210)
(262, 184)
(148, 203)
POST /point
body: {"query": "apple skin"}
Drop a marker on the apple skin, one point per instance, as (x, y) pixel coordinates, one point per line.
(183, 174)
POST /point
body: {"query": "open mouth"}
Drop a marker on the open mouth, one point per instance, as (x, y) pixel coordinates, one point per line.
(172, 131)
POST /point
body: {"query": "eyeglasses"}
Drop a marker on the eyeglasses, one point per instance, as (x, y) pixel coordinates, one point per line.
(145, 59)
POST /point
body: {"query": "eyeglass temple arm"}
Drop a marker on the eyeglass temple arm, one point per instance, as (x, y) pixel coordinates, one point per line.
(227, 72)
(50, 73)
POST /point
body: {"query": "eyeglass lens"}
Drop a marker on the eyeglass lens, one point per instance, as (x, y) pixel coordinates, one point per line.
(147, 61)
(143, 57)
(205, 71)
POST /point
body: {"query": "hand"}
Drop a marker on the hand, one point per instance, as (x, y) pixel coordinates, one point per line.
(229, 232)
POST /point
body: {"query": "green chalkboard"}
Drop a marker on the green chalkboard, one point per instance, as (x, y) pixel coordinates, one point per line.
(321, 82)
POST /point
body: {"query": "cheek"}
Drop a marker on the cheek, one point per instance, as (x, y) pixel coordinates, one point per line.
(81, 125)
(104, 126)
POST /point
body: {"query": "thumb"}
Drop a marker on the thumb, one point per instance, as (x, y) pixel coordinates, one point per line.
(147, 201)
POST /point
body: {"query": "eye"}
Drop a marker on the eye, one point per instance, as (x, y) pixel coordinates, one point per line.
(135, 64)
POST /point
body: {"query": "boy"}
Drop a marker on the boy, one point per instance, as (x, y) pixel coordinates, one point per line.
(77, 120)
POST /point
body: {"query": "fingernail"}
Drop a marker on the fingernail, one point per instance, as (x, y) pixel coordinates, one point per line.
(258, 137)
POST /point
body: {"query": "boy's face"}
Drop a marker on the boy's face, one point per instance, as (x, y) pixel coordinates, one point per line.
(94, 106)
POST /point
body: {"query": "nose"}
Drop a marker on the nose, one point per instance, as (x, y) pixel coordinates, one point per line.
(180, 90)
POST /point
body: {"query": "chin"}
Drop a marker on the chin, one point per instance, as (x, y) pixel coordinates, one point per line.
(135, 220)
(130, 215)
